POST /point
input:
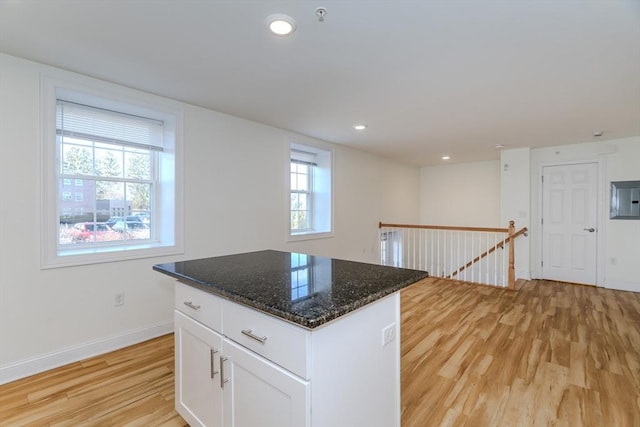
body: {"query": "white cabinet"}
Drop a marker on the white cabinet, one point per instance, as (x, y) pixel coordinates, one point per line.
(238, 367)
(281, 342)
(220, 383)
(198, 392)
(261, 393)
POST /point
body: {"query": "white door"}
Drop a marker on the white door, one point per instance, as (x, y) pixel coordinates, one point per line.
(258, 393)
(569, 223)
(198, 392)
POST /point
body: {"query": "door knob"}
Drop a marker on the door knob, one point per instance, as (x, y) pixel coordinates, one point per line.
(590, 230)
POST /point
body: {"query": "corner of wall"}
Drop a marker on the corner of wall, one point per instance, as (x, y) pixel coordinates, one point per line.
(44, 362)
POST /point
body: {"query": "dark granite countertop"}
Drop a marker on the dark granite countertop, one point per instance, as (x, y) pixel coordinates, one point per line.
(303, 289)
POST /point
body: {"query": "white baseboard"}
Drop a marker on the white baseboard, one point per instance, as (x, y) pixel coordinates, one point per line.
(55, 359)
(623, 285)
(526, 275)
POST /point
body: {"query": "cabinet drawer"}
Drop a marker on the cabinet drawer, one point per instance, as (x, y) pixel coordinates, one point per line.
(284, 344)
(199, 305)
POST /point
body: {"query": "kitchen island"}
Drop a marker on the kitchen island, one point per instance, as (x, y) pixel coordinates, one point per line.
(284, 339)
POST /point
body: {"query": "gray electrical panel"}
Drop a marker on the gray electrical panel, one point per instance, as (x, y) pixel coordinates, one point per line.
(625, 200)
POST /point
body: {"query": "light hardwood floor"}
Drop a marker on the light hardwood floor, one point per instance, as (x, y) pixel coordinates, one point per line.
(128, 387)
(550, 354)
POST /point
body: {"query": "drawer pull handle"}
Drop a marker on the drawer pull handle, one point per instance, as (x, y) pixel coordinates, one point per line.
(250, 334)
(192, 305)
(222, 379)
(213, 369)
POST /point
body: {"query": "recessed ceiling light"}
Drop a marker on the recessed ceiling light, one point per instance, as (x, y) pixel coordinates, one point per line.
(281, 25)
(499, 146)
(598, 133)
(445, 157)
(360, 127)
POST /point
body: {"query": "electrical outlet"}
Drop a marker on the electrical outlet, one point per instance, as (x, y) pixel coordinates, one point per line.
(118, 299)
(388, 334)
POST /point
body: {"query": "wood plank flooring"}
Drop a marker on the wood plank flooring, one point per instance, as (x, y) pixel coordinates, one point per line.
(549, 354)
(128, 387)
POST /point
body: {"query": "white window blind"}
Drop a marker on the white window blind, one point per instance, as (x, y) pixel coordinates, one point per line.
(304, 157)
(99, 125)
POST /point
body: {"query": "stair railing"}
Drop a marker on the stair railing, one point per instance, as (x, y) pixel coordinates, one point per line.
(470, 254)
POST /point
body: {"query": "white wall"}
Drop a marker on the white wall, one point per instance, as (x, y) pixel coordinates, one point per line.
(235, 200)
(465, 194)
(619, 255)
(515, 205)
(445, 190)
(622, 245)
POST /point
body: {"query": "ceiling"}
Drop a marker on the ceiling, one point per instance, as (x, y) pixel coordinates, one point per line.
(429, 78)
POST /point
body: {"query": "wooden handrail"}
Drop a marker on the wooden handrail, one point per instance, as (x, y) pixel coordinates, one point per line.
(512, 235)
(445, 227)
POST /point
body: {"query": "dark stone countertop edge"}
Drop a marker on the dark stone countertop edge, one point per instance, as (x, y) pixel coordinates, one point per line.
(295, 319)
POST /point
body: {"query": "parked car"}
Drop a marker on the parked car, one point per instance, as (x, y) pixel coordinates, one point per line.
(91, 232)
(134, 229)
(142, 216)
(131, 218)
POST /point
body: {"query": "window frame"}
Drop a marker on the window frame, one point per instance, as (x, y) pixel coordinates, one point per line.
(298, 268)
(322, 192)
(168, 207)
(309, 196)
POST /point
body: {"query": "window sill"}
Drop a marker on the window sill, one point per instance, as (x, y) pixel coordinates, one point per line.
(309, 235)
(87, 256)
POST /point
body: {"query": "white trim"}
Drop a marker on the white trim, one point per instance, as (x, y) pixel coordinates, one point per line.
(623, 285)
(75, 88)
(321, 150)
(398, 361)
(601, 210)
(311, 235)
(55, 359)
(523, 274)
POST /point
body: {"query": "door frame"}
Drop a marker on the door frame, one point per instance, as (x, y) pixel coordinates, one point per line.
(602, 210)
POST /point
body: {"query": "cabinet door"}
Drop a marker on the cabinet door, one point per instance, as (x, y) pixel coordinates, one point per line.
(260, 393)
(198, 392)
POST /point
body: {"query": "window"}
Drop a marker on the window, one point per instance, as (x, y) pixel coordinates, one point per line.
(391, 248)
(116, 154)
(122, 157)
(301, 276)
(301, 184)
(310, 192)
